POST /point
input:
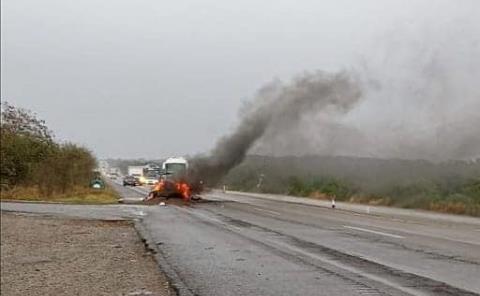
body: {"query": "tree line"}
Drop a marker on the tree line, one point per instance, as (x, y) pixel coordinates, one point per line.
(30, 156)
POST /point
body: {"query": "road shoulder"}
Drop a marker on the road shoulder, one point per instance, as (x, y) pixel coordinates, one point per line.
(45, 255)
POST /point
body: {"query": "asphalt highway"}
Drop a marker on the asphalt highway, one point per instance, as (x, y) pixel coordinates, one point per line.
(243, 244)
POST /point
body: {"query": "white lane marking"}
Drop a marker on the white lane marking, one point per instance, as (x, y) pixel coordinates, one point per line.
(408, 290)
(267, 211)
(280, 244)
(418, 234)
(373, 231)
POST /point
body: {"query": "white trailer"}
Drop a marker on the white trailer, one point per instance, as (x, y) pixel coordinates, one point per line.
(136, 171)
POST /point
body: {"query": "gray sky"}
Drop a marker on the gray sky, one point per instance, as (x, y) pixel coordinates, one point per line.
(159, 78)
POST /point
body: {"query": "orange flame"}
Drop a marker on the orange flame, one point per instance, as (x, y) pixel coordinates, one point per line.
(159, 186)
(180, 187)
(184, 189)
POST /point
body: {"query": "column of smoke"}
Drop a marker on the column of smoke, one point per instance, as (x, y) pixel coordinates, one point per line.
(276, 106)
(420, 100)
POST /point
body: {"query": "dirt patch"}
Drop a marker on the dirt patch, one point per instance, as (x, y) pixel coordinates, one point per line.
(54, 256)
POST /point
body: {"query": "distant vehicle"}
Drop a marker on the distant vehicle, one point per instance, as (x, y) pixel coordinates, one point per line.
(137, 172)
(130, 181)
(151, 180)
(151, 169)
(114, 173)
(97, 184)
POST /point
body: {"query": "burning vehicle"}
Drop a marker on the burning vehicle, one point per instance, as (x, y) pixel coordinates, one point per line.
(173, 180)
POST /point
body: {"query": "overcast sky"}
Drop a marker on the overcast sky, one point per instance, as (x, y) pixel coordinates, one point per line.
(151, 78)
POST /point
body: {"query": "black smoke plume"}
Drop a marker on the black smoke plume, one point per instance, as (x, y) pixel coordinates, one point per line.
(275, 107)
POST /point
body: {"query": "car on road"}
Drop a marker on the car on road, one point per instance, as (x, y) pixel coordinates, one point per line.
(151, 180)
(130, 181)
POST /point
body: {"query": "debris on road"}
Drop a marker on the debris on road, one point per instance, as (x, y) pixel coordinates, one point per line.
(160, 200)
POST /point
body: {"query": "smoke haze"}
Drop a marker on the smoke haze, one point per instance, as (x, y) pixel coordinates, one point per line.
(420, 100)
(276, 108)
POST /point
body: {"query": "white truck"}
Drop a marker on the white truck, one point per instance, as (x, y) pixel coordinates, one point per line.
(175, 166)
(136, 171)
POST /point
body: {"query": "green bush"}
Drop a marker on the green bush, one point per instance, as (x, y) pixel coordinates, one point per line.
(328, 186)
(30, 157)
(472, 188)
(451, 186)
(60, 172)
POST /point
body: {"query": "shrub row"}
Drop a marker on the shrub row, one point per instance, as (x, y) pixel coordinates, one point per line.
(31, 158)
(452, 187)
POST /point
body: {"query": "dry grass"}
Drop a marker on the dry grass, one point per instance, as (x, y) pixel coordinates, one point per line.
(455, 208)
(76, 196)
(319, 195)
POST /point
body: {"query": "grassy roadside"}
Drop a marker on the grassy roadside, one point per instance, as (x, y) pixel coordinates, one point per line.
(456, 205)
(36, 167)
(461, 197)
(451, 186)
(75, 196)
